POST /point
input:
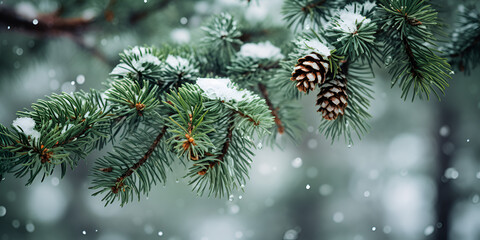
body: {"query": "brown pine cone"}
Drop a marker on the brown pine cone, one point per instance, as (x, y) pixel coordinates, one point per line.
(310, 71)
(333, 98)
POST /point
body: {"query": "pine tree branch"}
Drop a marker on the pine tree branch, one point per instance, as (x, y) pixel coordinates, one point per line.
(411, 58)
(250, 118)
(140, 162)
(52, 25)
(274, 111)
(225, 147)
(469, 48)
(48, 24)
(229, 136)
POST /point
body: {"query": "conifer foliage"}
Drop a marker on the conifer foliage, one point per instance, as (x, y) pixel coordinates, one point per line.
(209, 104)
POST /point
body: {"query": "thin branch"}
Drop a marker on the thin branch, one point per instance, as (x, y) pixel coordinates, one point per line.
(229, 136)
(52, 25)
(274, 111)
(411, 58)
(225, 147)
(46, 25)
(256, 123)
(119, 181)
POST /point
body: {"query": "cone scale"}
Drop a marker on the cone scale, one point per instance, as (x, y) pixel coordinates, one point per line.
(333, 99)
(310, 71)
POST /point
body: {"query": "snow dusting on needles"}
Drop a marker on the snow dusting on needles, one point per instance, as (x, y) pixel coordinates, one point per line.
(176, 61)
(263, 50)
(143, 56)
(224, 89)
(26, 125)
(144, 59)
(349, 18)
(318, 47)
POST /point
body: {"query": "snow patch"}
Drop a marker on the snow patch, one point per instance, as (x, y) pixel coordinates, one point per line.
(145, 59)
(120, 69)
(263, 50)
(318, 47)
(176, 61)
(348, 19)
(26, 125)
(67, 127)
(224, 89)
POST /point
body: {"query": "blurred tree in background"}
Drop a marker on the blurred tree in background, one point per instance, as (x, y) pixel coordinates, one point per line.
(414, 176)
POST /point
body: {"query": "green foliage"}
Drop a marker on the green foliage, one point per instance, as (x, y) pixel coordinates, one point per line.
(464, 48)
(215, 136)
(357, 45)
(134, 166)
(141, 63)
(354, 122)
(131, 103)
(164, 113)
(409, 48)
(298, 13)
(69, 126)
(188, 121)
(222, 39)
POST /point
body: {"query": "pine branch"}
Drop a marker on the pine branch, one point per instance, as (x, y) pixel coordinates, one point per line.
(250, 118)
(52, 25)
(411, 58)
(463, 50)
(47, 25)
(274, 111)
(119, 183)
(228, 138)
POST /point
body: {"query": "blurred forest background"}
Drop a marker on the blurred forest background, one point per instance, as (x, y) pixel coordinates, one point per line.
(415, 176)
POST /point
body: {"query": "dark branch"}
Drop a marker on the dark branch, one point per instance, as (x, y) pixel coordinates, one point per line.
(274, 111)
(229, 136)
(411, 58)
(52, 25)
(140, 162)
(256, 123)
(225, 147)
(47, 25)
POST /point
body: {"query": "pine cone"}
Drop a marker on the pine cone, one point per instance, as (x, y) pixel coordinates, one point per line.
(333, 97)
(310, 71)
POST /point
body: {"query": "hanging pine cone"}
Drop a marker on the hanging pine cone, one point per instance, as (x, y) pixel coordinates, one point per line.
(310, 71)
(332, 98)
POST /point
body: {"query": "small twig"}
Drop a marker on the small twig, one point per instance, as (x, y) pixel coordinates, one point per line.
(250, 118)
(411, 58)
(274, 111)
(119, 181)
(52, 25)
(46, 25)
(225, 147)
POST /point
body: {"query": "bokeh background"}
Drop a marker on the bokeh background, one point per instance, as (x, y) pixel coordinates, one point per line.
(415, 176)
